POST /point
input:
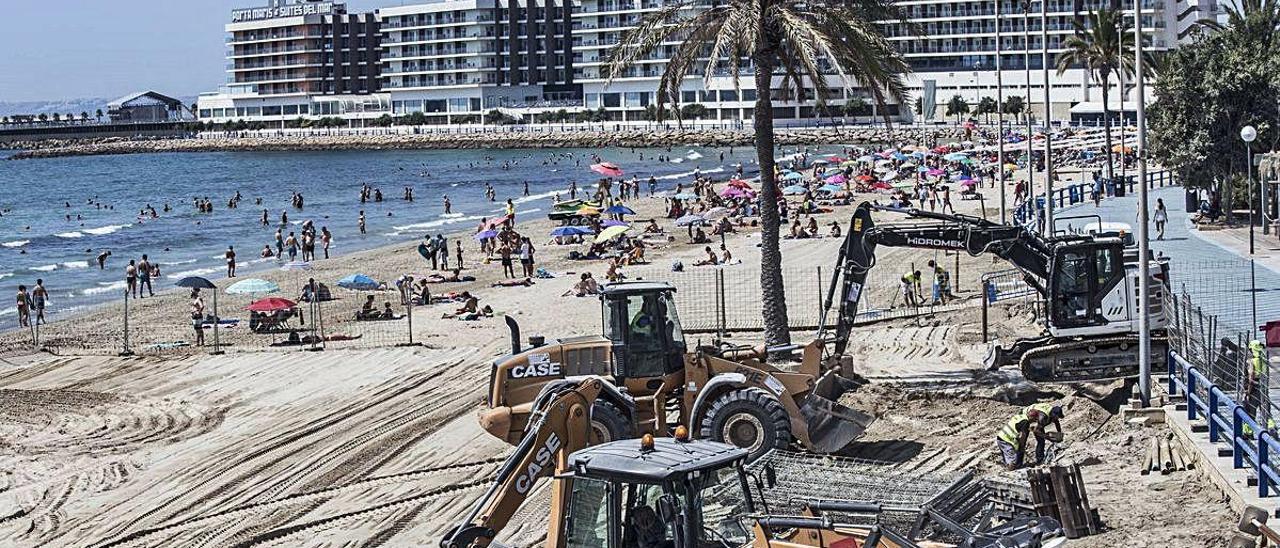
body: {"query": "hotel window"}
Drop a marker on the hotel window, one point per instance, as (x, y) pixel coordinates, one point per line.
(291, 110)
(728, 95)
(633, 98)
(458, 104)
(611, 100)
(302, 109)
(205, 113)
(271, 111)
(748, 95)
(688, 97)
(592, 99)
(255, 111)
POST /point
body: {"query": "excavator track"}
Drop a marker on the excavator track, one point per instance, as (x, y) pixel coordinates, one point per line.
(1090, 360)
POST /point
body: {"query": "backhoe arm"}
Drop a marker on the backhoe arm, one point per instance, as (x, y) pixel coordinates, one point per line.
(559, 425)
(974, 235)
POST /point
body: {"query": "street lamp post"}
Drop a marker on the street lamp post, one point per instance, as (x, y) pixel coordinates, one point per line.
(1248, 134)
(1000, 120)
(1048, 125)
(1144, 235)
(1026, 104)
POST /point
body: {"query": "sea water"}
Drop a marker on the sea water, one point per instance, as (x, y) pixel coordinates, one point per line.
(37, 240)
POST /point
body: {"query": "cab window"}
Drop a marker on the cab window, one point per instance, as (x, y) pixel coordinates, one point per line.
(588, 523)
(641, 526)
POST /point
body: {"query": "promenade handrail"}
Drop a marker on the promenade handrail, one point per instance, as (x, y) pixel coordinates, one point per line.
(1251, 445)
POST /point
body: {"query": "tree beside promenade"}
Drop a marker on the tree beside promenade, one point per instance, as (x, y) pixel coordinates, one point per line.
(803, 43)
(1102, 49)
(1207, 91)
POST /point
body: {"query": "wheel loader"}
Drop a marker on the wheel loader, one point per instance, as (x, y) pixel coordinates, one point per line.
(672, 492)
(722, 393)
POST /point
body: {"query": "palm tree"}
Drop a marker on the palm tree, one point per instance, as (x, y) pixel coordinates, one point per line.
(1260, 17)
(84, 116)
(986, 106)
(1015, 106)
(44, 117)
(99, 115)
(1099, 47)
(805, 42)
(957, 107)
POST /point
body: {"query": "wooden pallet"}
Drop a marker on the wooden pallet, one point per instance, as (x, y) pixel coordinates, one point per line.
(1059, 492)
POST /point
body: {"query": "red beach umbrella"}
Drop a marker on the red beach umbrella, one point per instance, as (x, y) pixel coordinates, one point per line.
(272, 304)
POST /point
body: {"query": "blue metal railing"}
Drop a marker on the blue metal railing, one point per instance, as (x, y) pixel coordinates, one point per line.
(1251, 445)
(1027, 213)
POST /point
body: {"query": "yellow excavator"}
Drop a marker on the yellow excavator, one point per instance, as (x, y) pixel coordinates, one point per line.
(673, 492)
(656, 380)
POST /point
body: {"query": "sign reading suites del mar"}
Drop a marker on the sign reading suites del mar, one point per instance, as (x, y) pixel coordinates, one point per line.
(272, 12)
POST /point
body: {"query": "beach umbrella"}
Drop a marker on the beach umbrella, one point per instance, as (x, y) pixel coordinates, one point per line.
(196, 282)
(794, 190)
(608, 169)
(485, 234)
(735, 192)
(717, 213)
(271, 304)
(867, 158)
(613, 222)
(837, 179)
(359, 282)
(253, 286)
(830, 188)
(889, 176)
(956, 157)
(935, 172)
(820, 162)
(1011, 166)
(865, 178)
(924, 169)
(966, 183)
(900, 156)
(686, 196)
(836, 159)
(739, 183)
(920, 153)
(881, 185)
(619, 209)
(561, 231)
(611, 233)
(690, 219)
(793, 176)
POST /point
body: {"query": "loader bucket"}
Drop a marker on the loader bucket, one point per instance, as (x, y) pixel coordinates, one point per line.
(831, 425)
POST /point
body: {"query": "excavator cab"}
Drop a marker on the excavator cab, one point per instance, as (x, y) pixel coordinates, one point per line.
(656, 493)
(1082, 276)
(643, 329)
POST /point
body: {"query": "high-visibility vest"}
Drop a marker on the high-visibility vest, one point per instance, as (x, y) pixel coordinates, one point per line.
(1045, 408)
(1259, 358)
(1009, 434)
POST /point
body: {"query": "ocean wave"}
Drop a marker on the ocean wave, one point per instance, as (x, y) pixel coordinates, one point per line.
(8, 311)
(45, 268)
(75, 264)
(176, 263)
(109, 229)
(535, 197)
(437, 224)
(4, 275)
(675, 176)
(194, 272)
(452, 215)
(692, 155)
(104, 287)
(72, 234)
(16, 243)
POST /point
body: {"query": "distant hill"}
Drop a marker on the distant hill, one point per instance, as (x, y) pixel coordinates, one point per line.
(65, 106)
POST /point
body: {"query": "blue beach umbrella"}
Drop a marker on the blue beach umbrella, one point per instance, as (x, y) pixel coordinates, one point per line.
(690, 219)
(793, 176)
(613, 222)
(359, 282)
(956, 157)
(485, 234)
(562, 231)
(830, 188)
(619, 209)
(900, 156)
(253, 286)
(686, 196)
(794, 190)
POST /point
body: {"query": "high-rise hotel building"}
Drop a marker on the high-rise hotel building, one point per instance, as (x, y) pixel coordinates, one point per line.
(455, 59)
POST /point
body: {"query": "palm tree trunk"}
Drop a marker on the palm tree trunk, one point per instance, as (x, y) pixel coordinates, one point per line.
(772, 295)
(1106, 125)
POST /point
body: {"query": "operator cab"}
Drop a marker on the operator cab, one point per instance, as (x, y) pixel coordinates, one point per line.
(657, 493)
(643, 328)
(1082, 275)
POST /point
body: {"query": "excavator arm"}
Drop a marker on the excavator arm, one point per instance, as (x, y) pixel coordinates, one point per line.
(559, 425)
(1026, 250)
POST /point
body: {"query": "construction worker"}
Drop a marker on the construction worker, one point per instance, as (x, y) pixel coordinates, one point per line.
(911, 289)
(941, 284)
(1032, 420)
(1255, 388)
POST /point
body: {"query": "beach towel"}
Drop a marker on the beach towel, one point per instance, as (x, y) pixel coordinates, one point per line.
(542, 273)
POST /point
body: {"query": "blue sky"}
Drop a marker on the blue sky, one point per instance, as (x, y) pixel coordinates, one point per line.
(68, 49)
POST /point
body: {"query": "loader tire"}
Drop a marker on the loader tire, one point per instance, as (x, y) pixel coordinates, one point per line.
(749, 418)
(608, 423)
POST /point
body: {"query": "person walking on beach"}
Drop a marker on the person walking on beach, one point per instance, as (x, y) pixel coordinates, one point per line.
(429, 247)
(292, 243)
(131, 278)
(231, 262)
(144, 276)
(504, 253)
(360, 222)
(39, 296)
(1161, 217)
(24, 310)
(510, 210)
(442, 247)
(197, 315)
(458, 255)
(325, 239)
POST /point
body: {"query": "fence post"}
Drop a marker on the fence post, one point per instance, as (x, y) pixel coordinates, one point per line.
(986, 292)
(125, 351)
(408, 304)
(1211, 413)
(818, 288)
(1191, 391)
(1237, 427)
(1263, 479)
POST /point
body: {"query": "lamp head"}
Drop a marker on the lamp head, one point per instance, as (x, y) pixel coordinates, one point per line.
(1248, 134)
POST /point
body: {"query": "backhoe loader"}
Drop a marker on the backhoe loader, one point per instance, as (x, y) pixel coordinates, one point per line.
(652, 492)
(724, 393)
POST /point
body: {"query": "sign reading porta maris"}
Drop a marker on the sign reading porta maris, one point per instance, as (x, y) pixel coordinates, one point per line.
(280, 9)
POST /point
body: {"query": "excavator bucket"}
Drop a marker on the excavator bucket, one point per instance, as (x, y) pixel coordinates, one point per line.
(831, 425)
